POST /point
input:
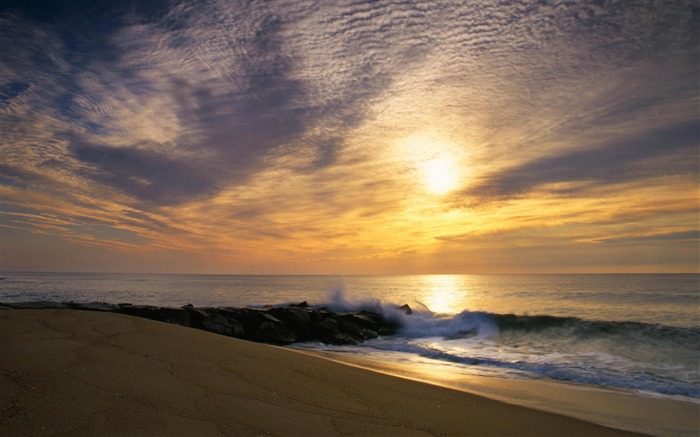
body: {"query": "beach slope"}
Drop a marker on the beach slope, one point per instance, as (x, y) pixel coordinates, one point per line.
(65, 372)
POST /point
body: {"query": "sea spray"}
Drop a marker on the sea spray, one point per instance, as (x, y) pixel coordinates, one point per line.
(339, 302)
(417, 321)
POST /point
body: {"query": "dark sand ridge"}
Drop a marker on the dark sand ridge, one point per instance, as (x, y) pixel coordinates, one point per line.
(69, 372)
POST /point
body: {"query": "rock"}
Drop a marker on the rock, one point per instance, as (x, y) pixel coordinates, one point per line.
(327, 326)
(250, 319)
(179, 316)
(273, 332)
(358, 326)
(261, 326)
(39, 305)
(298, 319)
(217, 320)
(330, 330)
(136, 310)
(197, 315)
(277, 325)
(364, 319)
(93, 306)
(406, 309)
(390, 326)
(220, 324)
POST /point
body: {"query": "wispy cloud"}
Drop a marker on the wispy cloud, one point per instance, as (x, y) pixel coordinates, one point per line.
(612, 163)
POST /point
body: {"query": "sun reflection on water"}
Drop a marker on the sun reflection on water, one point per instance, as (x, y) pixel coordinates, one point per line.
(444, 293)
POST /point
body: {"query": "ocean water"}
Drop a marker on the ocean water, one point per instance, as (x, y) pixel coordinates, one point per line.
(637, 333)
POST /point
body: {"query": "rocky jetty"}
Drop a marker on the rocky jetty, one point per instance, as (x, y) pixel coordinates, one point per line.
(275, 324)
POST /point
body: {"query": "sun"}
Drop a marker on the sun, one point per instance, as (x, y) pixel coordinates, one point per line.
(438, 163)
(440, 175)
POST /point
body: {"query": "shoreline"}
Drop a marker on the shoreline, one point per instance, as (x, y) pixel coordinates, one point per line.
(82, 373)
(613, 408)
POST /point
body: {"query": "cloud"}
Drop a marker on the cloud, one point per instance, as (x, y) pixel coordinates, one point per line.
(223, 86)
(677, 237)
(144, 174)
(279, 124)
(609, 164)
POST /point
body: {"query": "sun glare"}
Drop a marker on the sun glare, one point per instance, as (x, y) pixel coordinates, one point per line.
(440, 176)
(437, 161)
(442, 293)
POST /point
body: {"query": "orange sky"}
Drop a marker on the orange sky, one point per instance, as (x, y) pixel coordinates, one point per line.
(369, 139)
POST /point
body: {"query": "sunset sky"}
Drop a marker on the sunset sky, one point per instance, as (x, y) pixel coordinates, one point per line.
(338, 137)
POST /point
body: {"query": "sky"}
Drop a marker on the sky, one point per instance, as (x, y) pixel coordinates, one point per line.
(350, 137)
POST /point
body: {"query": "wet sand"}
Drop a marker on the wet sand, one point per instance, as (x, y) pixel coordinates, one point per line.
(66, 372)
(615, 408)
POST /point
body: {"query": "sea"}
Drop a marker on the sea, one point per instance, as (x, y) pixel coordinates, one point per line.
(632, 333)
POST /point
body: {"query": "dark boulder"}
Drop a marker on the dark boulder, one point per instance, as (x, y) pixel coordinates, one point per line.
(179, 316)
(406, 309)
(93, 306)
(330, 330)
(197, 315)
(358, 325)
(364, 319)
(145, 311)
(261, 326)
(277, 325)
(220, 324)
(298, 319)
(273, 332)
(39, 305)
(249, 318)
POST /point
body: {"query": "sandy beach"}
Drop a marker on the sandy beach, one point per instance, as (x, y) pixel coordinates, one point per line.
(69, 372)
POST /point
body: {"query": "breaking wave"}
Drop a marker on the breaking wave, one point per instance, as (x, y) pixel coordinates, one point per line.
(651, 358)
